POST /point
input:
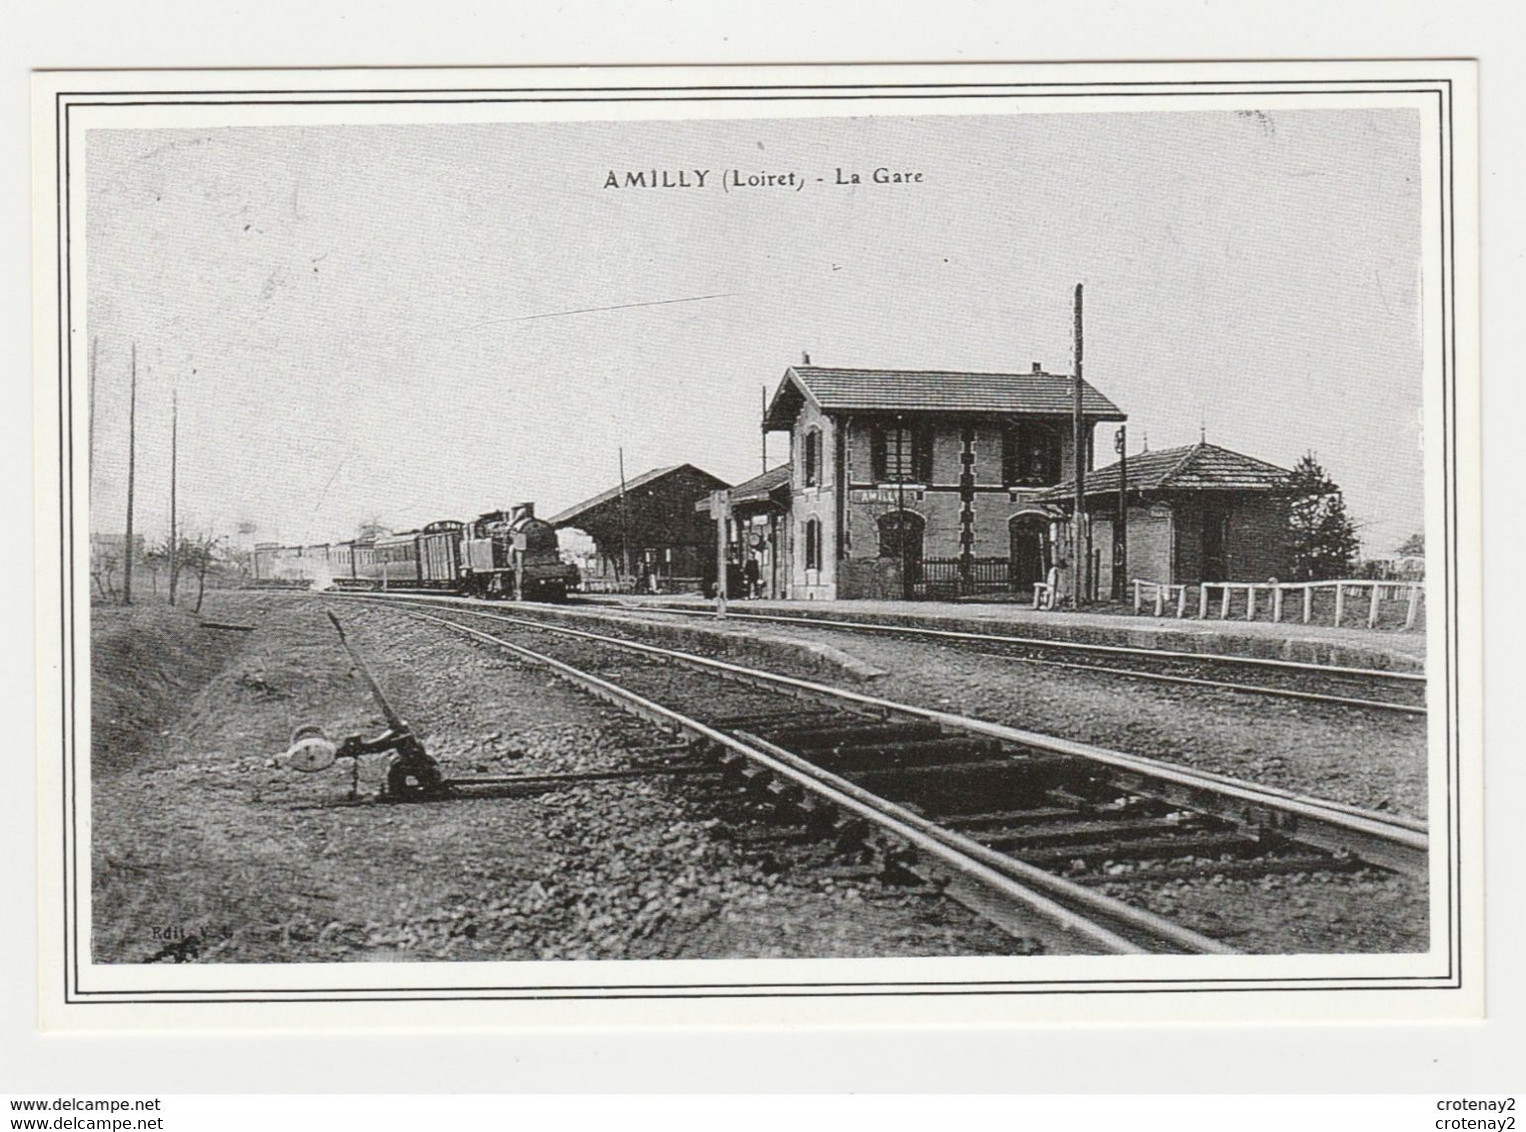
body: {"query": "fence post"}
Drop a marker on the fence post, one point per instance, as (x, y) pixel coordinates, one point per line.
(1160, 597)
(1340, 602)
(1250, 603)
(1224, 605)
(1181, 603)
(1308, 602)
(1372, 609)
(1202, 601)
(1138, 599)
(1277, 602)
(1414, 605)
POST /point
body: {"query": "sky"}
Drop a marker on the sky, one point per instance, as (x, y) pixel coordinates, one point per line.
(372, 321)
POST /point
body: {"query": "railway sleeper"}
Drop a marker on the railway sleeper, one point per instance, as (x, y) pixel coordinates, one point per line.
(1084, 831)
(766, 719)
(1253, 867)
(978, 786)
(991, 771)
(976, 821)
(853, 734)
(916, 753)
(1200, 845)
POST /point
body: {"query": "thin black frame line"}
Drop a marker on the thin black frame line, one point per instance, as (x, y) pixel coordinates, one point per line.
(1453, 683)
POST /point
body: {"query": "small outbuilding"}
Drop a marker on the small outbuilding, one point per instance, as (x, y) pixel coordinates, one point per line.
(1196, 514)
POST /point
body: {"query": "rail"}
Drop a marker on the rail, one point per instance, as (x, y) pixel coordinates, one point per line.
(1397, 843)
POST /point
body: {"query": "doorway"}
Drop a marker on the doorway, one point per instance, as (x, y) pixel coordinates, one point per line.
(1215, 543)
(1028, 550)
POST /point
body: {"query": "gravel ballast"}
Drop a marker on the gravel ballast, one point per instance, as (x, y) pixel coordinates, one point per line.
(205, 849)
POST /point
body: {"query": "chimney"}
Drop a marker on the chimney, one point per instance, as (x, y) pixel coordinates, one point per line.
(1038, 367)
(522, 511)
(805, 358)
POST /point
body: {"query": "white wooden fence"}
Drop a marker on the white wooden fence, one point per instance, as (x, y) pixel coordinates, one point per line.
(1216, 596)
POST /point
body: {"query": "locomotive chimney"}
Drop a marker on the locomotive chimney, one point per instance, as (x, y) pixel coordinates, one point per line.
(522, 511)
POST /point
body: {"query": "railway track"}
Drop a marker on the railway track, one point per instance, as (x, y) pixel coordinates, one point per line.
(1022, 828)
(1371, 689)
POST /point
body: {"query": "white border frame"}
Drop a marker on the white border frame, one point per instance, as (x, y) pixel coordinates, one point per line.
(1444, 997)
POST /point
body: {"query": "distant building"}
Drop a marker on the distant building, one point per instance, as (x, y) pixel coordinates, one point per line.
(912, 483)
(107, 548)
(649, 530)
(1196, 514)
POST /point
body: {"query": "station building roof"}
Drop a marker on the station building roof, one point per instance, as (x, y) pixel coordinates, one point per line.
(1196, 467)
(839, 390)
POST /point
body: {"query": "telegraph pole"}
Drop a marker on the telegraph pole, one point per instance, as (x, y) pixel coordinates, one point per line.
(1121, 529)
(763, 427)
(174, 509)
(625, 523)
(132, 455)
(900, 504)
(1082, 540)
(720, 510)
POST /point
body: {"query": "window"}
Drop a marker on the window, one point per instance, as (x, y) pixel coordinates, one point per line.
(813, 544)
(1030, 454)
(902, 453)
(813, 458)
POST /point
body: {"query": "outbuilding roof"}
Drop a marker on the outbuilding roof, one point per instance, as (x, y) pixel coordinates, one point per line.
(1034, 393)
(1196, 467)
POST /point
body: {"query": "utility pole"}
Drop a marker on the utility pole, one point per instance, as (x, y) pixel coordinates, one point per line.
(132, 455)
(763, 426)
(1082, 540)
(174, 508)
(719, 509)
(1121, 528)
(625, 523)
(900, 504)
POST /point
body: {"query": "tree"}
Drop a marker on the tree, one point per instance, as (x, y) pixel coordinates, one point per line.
(200, 555)
(1322, 539)
(156, 558)
(1414, 547)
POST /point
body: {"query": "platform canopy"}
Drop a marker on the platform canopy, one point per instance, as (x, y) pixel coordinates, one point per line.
(761, 493)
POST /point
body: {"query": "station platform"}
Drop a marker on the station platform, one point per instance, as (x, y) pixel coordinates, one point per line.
(1318, 644)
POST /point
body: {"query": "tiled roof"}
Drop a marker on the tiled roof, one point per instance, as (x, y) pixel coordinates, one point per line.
(1196, 467)
(760, 487)
(755, 490)
(936, 391)
(562, 518)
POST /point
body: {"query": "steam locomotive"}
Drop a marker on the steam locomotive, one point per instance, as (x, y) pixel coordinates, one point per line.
(501, 554)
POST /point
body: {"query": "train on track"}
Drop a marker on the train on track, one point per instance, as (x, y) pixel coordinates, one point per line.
(501, 554)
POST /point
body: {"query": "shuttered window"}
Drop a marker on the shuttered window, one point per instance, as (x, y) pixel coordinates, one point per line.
(1030, 454)
(902, 453)
(813, 458)
(813, 544)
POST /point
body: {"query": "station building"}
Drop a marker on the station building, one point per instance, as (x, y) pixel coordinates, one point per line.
(917, 483)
